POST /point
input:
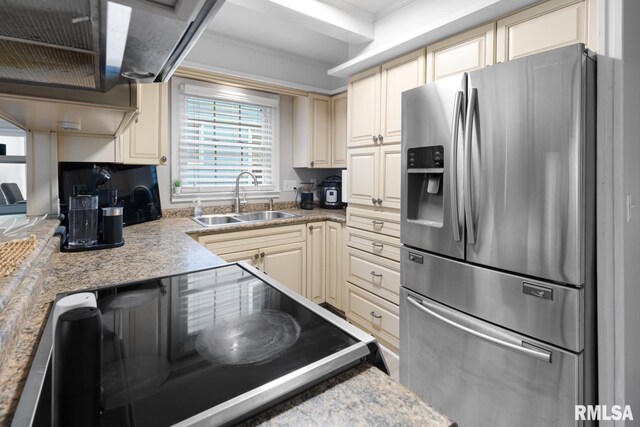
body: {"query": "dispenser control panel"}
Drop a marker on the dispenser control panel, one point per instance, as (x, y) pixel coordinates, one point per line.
(426, 157)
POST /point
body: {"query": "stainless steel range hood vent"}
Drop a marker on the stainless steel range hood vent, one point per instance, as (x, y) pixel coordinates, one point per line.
(91, 44)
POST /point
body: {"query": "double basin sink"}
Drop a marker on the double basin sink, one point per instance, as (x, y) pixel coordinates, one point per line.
(220, 219)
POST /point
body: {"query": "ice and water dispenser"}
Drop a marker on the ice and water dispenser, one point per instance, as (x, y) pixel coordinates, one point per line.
(425, 170)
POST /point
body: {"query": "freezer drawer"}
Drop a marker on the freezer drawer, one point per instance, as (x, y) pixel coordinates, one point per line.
(549, 312)
(480, 374)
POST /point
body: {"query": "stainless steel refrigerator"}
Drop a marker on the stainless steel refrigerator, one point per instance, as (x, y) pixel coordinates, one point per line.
(497, 318)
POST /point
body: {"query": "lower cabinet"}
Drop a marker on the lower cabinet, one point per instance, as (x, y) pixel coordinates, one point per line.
(373, 314)
(306, 258)
(316, 261)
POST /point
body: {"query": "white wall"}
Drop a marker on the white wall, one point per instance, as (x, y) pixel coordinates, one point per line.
(228, 56)
(618, 194)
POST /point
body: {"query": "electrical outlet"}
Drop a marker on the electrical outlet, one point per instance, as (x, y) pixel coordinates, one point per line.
(314, 182)
(290, 184)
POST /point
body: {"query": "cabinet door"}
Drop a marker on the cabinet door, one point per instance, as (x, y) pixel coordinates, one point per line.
(251, 256)
(286, 264)
(362, 165)
(316, 257)
(467, 51)
(146, 141)
(339, 131)
(389, 176)
(549, 25)
(363, 108)
(333, 265)
(396, 76)
(320, 131)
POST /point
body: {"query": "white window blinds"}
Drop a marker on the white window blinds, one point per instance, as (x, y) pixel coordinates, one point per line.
(223, 131)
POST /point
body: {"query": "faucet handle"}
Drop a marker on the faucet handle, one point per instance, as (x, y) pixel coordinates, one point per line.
(244, 199)
(270, 204)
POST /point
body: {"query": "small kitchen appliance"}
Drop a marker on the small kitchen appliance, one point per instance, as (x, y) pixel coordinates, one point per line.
(210, 347)
(306, 195)
(331, 192)
(93, 220)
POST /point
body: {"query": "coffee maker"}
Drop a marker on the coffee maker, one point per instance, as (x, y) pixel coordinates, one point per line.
(94, 221)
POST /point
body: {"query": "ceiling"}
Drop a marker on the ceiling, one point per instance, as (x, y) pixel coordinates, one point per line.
(322, 35)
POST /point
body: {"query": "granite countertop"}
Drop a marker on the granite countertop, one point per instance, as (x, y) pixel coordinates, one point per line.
(360, 396)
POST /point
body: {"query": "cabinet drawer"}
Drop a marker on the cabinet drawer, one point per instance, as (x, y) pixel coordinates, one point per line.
(378, 222)
(236, 241)
(374, 315)
(377, 275)
(374, 243)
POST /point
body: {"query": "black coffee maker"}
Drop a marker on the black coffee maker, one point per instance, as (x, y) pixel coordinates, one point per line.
(93, 220)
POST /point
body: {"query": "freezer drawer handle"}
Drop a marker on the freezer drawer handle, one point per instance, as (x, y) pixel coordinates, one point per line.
(543, 355)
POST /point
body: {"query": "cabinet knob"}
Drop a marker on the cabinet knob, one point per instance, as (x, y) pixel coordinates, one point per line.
(380, 138)
(312, 163)
(256, 256)
(163, 159)
(310, 228)
(379, 202)
(374, 200)
(377, 316)
(261, 254)
(375, 139)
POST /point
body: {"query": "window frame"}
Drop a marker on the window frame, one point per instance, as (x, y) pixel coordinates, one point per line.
(227, 93)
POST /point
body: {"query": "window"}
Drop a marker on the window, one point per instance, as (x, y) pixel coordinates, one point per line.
(13, 170)
(220, 131)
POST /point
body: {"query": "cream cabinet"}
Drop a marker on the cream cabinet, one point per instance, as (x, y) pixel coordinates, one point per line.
(286, 264)
(546, 26)
(339, 130)
(467, 51)
(374, 176)
(374, 99)
(278, 251)
(319, 131)
(374, 314)
(333, 265)
(146, 141)
(316, 262)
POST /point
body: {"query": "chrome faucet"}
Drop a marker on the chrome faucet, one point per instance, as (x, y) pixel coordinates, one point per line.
(236, 199)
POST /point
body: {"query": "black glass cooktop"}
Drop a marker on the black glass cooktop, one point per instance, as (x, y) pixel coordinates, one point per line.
(177, 346)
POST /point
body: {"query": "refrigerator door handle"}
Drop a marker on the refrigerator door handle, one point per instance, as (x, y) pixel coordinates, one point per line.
(471, 113)
(514, 344)
(453, 173)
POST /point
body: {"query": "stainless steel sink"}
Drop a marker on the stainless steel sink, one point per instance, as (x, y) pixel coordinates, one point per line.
(209, 220)
(220, 219)
(265, 215)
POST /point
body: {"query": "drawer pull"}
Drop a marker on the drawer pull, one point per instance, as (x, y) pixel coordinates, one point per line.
(377, 245)
(374, 274)
(376, 222)
(377, 316)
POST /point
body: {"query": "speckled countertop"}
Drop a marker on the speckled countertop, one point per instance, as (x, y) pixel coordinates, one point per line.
(361, 396)
(168, 247)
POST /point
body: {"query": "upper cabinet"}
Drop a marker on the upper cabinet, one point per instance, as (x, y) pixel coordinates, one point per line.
(374, 103)
(467, 51)
(339, 130)
(146, 141)
(546, 26)
(319, 131)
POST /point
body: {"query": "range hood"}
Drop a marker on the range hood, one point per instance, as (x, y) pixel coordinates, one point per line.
(95, 44)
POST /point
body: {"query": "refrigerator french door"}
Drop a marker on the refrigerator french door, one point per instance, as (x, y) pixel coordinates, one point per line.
(498, 232)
